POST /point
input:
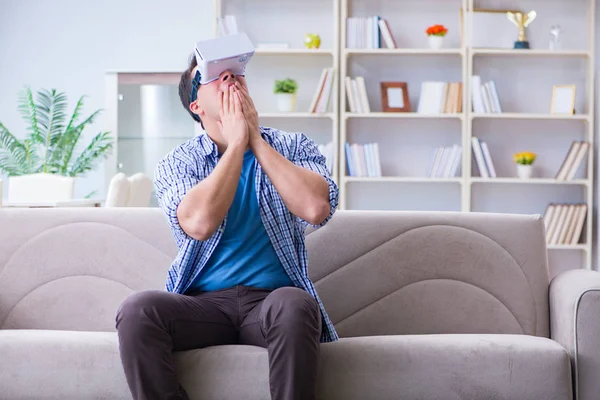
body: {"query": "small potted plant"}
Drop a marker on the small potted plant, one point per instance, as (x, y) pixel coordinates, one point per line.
(524, 162)
(435, 34)
(285, 92)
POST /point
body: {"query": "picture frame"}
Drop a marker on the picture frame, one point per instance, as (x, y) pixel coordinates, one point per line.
(563, 100)
(394, 97)
(491, 29)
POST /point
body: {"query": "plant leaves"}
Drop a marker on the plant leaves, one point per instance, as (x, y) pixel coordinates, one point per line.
(13, 153)
(51, 116)
(68, 143)
(99, 147)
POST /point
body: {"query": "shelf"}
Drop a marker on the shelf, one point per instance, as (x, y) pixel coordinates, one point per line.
(432, 52)
(583, 247)
(532, 181)
(403, 115)
(530, 53)
(582, 117)
(400, 179)
(294, 52)
(295, 115)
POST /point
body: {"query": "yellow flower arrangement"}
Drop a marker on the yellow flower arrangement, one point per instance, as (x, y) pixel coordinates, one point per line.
(525, 158)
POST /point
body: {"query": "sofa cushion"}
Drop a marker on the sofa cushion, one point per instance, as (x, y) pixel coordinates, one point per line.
(76, 365)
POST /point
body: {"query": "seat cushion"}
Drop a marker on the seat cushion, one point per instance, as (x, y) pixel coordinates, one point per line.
(76, 365)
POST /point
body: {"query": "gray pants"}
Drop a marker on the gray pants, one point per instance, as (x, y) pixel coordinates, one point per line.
(153, 324)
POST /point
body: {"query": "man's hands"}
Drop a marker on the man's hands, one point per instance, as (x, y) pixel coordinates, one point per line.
(233, 123)
(250, 114)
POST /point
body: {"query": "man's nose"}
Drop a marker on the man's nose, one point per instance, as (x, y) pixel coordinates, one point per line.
(227, 76)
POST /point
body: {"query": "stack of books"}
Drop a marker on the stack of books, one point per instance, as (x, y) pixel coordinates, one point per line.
(564, 223)
(356, 91)
(322, 96)
(363, 33)
(363, 160)
(572, 161)
(445, 162)
(485, 97)
(440, 98)
(483, 158)
(327, 151)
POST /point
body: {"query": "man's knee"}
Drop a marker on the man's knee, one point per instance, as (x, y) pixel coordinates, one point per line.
(292, 307)
(132, 308)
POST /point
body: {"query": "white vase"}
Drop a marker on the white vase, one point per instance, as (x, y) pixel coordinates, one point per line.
(524, 171)
(286, 102)
(435, 42)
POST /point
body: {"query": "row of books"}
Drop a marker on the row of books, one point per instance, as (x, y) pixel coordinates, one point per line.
(327, 151)
(485, 96)
(363, 159)
(483, 158)
(572, 161)
(364, 33)
(445, 162)
(564, 223)
(440, 98)
(356, 91)
(322, 96)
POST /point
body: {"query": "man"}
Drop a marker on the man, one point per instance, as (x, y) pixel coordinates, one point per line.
(238, 198)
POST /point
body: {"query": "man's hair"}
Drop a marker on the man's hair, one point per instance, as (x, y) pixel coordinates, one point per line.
(185, 88)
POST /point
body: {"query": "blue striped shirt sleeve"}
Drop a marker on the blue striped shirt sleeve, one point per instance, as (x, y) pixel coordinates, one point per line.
(307, 155)
(173, 178)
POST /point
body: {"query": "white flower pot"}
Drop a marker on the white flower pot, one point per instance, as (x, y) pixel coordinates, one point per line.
(286, 102)
(524, 171)
(435, 42)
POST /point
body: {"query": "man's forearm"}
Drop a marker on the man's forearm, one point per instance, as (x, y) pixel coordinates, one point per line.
(304, 192)
(205, 206)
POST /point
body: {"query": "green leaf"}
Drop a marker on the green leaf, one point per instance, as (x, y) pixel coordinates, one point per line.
(99, 147)
(51, 116)
(28, 111)
(13, 154)
(68, 143)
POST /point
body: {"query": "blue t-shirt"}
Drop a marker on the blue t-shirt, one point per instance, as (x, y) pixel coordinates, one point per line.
(244, 255)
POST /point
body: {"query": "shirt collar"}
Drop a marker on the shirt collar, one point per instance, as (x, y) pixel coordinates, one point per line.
(209, 148)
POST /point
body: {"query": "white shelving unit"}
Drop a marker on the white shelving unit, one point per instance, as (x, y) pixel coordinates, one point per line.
(526, 78)
(265, 19)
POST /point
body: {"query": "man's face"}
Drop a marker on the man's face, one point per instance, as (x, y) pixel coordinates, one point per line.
(207, 101)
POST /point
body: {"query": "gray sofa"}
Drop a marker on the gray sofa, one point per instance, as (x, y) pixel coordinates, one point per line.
(428, 305)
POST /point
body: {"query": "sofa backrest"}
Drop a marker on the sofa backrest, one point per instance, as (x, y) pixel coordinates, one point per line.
(376, 272)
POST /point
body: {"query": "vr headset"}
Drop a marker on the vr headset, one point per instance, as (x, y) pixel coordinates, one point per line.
(214, 56)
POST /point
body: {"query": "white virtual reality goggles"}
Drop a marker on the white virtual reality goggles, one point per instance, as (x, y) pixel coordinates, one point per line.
(230, 52)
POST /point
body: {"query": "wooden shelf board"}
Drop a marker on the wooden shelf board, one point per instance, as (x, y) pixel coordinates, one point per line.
(532, 181)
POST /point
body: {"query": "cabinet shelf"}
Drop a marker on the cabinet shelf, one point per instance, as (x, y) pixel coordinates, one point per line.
(432, 52)
(530, 53)
(400, 179)
(580, 247)
(532, 181)
(403, 115)
(581, 117)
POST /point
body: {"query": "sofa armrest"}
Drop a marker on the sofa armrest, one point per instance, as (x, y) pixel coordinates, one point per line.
(575, 324)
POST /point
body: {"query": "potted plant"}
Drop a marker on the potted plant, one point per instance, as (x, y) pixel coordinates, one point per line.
(524, 162)
(285, 92)
(435, 34)
(53, 141)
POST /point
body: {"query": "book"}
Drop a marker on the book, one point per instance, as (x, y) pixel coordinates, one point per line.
(362, 160)
(564, 223)
(367, 32)
(440, 98)
(356, 92)
(572, 160)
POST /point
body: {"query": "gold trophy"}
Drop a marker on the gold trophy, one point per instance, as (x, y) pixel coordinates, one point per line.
(521, 21)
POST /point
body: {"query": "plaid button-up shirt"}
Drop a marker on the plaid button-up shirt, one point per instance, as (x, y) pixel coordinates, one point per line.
(185, 166)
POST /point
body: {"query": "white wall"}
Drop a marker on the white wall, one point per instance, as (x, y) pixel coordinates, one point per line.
(69, 44)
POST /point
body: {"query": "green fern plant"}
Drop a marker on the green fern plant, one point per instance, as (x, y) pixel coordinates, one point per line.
(52, 142)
